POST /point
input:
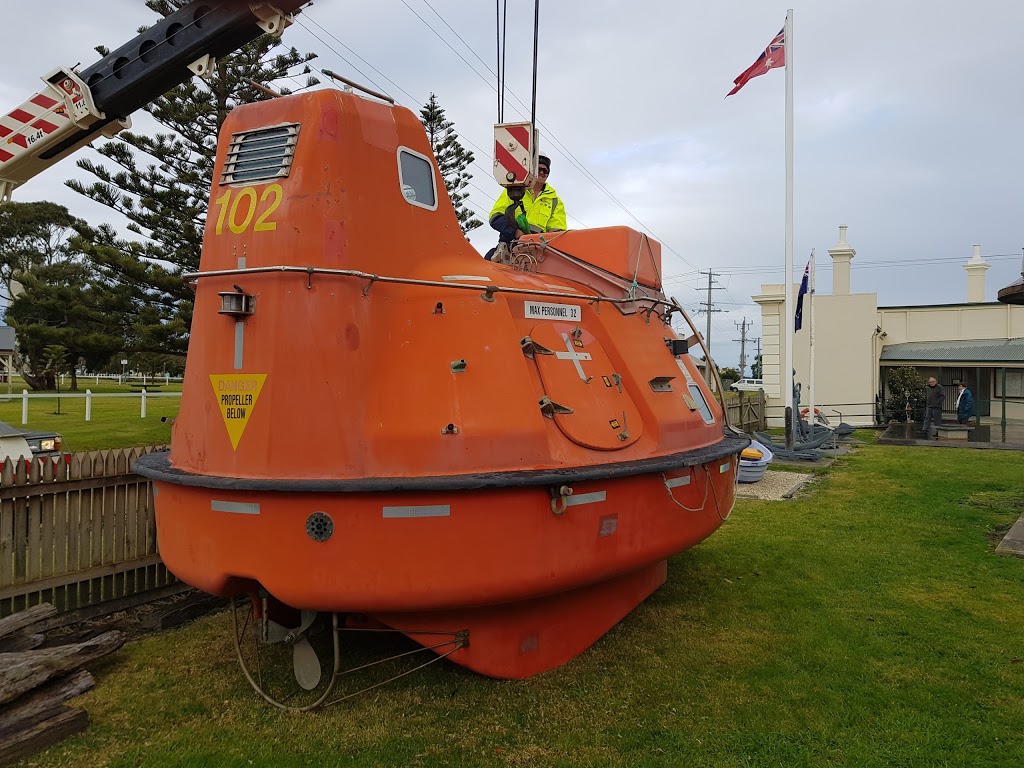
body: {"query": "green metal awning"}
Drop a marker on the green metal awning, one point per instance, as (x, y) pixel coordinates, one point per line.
(974, 351)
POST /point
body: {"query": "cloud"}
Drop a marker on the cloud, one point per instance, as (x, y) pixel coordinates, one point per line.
(906, 120)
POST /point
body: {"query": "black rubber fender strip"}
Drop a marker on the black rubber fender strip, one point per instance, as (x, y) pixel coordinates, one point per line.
(156, 466)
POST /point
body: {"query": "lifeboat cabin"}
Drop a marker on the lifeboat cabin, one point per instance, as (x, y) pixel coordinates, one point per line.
(376, 421)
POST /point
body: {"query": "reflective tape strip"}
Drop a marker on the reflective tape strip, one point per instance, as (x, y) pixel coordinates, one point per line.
(41, 100)
(724, 468)
(44, 125)
(675, 482)
(431, 510)
(585, 498)
(473, 278)
(239, 343)
(238, 507)
(565, 288)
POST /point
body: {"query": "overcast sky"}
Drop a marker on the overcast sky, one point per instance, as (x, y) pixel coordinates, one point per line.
(908, 121)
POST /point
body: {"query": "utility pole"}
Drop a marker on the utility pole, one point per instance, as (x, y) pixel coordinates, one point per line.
(709, 309)
(743, 343)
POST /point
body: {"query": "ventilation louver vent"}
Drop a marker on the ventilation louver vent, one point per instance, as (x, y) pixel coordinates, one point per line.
(260, 155)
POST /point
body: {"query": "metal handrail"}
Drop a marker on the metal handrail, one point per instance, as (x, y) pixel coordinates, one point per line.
(488, 289)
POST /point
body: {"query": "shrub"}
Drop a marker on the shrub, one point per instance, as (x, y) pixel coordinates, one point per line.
(904, 386)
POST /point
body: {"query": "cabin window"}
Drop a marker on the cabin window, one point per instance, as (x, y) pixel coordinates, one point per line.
(416, 176)
(260, 155)
(702, 404)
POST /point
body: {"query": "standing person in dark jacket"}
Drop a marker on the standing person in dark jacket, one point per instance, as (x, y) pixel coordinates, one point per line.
(964, 404)
(934, 397)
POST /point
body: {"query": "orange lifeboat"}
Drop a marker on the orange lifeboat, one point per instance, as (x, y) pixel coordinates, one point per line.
(377, 421)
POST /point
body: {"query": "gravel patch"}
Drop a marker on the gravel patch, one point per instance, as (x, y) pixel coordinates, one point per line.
(774, 486)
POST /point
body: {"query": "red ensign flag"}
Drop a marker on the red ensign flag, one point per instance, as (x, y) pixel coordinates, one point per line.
(774, 56)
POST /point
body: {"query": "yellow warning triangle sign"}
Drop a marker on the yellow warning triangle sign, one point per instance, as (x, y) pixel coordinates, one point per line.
(236, 395)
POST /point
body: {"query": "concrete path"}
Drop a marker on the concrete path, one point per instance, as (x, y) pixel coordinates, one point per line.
(984, 437)
(774, 486)
(1013, 541)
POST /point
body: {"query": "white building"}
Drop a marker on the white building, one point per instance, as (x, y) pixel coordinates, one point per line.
(855, 341)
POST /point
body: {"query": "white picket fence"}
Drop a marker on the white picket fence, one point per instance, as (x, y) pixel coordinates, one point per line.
(89, 397)
(141, 378)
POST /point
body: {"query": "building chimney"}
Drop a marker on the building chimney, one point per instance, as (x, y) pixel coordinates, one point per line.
(976, 268)
(841, 254)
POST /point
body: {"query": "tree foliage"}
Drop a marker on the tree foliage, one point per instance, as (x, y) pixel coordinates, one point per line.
(32, 235)
(57, 298)
(904, 387)
(453, 160)
(755, 368)
(729, 375)
(65, 304)
(160, 184)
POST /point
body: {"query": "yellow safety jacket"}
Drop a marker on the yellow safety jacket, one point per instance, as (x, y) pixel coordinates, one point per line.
(545, 213)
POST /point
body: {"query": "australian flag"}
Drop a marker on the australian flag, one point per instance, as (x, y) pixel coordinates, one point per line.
(798, 319)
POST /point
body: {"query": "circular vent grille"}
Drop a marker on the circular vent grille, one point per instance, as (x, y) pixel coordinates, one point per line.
(319, 526)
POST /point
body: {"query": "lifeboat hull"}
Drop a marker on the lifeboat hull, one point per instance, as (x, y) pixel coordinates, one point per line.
(377, 422)
(530, 579)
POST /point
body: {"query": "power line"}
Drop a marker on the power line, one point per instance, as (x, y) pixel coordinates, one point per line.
(550, 134)
(882, 264)
(564, 150)
(412, 98)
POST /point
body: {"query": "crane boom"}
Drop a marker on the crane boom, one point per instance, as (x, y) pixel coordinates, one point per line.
(76, 107)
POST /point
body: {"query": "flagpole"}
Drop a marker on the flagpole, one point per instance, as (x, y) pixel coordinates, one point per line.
(787, 372)
(810, 373)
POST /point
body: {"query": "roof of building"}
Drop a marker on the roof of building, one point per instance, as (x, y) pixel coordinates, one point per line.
(1013, 293)
(972, 351)
(965, 304)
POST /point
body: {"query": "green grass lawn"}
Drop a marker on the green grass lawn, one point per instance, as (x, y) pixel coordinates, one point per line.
(116, 422)
(865, 624)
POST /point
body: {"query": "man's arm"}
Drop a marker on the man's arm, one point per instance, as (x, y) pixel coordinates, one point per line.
(503, 202)
(498, 219)
(557, 221)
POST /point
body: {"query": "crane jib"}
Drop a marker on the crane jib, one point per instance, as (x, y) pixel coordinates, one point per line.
(157, 60)
(92, 101)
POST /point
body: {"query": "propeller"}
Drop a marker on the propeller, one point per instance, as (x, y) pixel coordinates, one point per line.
(305, 663)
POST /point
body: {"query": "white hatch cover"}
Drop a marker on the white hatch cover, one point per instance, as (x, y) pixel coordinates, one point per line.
(580, 376)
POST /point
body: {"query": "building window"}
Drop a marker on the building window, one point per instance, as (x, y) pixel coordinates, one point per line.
(1014, 382)
(416, 175)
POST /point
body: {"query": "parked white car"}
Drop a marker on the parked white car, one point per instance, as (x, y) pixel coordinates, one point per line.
(748, 385)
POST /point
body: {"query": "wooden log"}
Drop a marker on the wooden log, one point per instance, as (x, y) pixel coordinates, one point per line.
(43, 703)
(26, 618)
(43, 734)
(23, 641)
(195, 605)
(21, 672)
